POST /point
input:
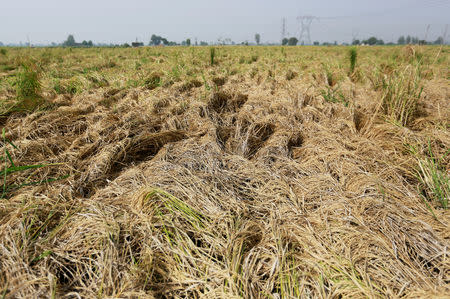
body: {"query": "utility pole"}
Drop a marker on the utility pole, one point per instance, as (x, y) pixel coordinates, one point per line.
(305, 26)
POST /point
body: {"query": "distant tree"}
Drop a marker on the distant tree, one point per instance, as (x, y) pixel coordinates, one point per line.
(379, 42)
(90, 44)
(439, 41)
(70, 41)
(126, 45)
(293, 41)
(1, 44)
(408, 39)
(188, 42)
(155, 40)
(285, 41)
(401, 40)
(257, 38)
(84, 43)
(316, 43)
(202, 43)
(164, 41)
(372, 41)
(356, 42)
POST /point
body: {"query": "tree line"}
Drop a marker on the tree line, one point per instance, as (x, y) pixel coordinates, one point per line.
(156, 40)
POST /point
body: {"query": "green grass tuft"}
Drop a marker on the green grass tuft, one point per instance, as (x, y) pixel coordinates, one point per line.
(434, 180)
(353, 54)
(402, 91)
(28, 84)
(212, 54)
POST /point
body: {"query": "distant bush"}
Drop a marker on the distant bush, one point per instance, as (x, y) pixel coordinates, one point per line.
(292, 41)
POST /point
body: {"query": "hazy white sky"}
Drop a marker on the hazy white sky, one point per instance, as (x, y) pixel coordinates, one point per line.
(116, 21)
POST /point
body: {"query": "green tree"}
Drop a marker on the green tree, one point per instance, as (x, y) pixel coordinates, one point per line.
(401, 40)
(188, 42)
(155, 40)
(257, 38)
(285, 41)
(372, 41)
(356, 42)
(293, 41)
(70, 41)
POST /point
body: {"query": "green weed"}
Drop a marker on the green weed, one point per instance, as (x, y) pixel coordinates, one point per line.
(353, 54)
(333, 95)
(212, 54)
(402, 91)
(28, 83)
(433, 178)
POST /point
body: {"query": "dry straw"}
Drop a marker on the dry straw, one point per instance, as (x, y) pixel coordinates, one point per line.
(257, 188)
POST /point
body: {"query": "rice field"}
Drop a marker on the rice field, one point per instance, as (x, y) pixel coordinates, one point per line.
(225, 172)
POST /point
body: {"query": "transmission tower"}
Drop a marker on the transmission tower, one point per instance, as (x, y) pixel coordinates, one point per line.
(305, 26)
(283, 29)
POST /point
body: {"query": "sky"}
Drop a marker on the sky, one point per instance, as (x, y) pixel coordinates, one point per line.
(113, 21)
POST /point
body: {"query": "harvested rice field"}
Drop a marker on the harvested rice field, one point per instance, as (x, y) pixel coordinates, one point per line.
(225, 172)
